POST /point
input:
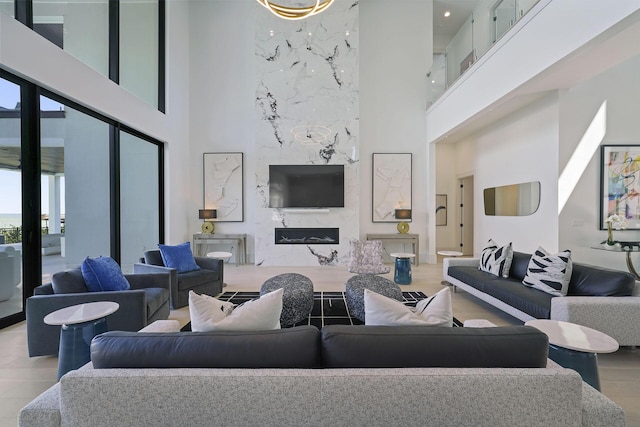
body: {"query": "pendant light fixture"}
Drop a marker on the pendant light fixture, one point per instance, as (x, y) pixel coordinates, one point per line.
(296, 13)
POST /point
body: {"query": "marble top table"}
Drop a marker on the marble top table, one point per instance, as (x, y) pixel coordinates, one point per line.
(81, 313)
(402, 255)
(79, 324)
(575, 337)
(450, 253)
(575, 346)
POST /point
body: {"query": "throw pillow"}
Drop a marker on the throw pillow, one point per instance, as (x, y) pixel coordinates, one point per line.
(433, 311)
(549, 273)
(210, 314)
(103, 274)
(179, 257)
(496, 260)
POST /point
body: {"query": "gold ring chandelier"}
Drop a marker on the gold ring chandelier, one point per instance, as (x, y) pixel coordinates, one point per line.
(295, 13)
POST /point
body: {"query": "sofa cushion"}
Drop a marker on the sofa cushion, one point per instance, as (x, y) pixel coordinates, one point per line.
(297, 347)
(597, 281)
(179, 257)
(510, 291)
(210, 314)
(549, 273)
(496, 260)
(519, 265)
(193, 279)
(68, 282)
(153, 257)
(422, 346)
(103, 274)
(432, 311)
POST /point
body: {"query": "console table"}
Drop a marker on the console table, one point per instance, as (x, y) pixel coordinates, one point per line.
(240, 241)
(625, 249)
(400, 238)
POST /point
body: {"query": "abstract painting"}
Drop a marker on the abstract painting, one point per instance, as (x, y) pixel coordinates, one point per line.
(223, 185)
(620, 184)
(391, 185)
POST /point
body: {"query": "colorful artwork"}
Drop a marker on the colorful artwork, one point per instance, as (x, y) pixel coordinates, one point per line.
(620, 188)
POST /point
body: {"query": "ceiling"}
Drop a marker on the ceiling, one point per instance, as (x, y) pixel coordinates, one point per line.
(445, 28)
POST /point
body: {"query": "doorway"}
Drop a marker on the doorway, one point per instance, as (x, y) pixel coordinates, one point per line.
(465, 186)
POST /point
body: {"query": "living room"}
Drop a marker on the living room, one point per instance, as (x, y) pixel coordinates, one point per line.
(211, 88)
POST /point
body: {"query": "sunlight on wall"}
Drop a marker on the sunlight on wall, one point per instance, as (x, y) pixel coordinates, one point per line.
(582, 156)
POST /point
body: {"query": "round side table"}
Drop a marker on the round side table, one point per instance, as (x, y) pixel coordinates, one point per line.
(575, 347)
(402, 273)
(451, 254)
(80, 323)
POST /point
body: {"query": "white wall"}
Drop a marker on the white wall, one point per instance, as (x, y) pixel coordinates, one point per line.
(519, 148)
(395, 56)
(580, 218)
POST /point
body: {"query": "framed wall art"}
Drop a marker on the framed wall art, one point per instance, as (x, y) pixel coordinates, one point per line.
(391, 185)
(224, 185)
(620, 184)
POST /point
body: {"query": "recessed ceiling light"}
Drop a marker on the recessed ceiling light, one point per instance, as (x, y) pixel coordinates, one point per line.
(447, 13)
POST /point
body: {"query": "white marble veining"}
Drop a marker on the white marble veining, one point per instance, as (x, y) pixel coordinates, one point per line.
(307, 79)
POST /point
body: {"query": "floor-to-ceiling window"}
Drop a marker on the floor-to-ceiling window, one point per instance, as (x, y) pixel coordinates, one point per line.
(139, 198)
(10, 201)
(76, 186)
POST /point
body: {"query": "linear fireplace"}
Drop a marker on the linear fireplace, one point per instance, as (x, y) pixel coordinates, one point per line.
(307, 236)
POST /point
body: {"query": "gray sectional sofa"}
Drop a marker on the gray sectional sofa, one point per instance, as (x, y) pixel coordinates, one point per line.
(599, 298)
(342, 375)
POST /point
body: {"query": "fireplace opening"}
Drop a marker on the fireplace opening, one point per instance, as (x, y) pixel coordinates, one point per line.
(307, 236)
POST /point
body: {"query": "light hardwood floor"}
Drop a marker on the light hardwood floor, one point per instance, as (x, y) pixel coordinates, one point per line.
(23, 378)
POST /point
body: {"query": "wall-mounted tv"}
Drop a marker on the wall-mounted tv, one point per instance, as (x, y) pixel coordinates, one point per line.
(306, 186)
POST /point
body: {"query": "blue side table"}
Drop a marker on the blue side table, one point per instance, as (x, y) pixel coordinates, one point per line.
(402, 273)
(80, 323)
(575, 347)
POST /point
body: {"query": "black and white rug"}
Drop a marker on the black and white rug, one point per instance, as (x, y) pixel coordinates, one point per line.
(329, 308)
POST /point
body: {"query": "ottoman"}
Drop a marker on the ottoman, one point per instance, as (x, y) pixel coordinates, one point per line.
(297, 296)
(354, 292)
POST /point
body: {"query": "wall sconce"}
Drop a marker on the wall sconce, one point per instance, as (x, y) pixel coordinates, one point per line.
(403, 214)
(207, 226)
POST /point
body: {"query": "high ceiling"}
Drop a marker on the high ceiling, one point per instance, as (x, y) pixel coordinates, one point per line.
(444, 28)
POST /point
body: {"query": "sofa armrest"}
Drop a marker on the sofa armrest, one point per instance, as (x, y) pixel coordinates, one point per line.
(44, 410)
(43, 339)
(599, 410)
(149, 280)
(463, 262)
(142, 268)
(618, 317)
(215, 264)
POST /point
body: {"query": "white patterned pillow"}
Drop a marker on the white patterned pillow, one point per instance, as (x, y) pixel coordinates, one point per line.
(433, 311)
(496, 260)
(549, 273)
(211, 314)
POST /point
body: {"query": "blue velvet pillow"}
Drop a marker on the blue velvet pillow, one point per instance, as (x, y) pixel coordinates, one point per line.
(179, 257)
(103, 274)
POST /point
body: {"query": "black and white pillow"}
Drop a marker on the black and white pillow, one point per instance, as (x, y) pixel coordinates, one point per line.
(549, 272)
(496, 260)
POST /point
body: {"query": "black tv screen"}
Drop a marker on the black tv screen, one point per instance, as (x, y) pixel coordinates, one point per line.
(306, 186)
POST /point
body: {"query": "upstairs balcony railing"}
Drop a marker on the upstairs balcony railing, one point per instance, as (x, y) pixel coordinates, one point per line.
(482, 29)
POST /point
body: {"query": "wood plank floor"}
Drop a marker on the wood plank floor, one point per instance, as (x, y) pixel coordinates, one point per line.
(23, 378)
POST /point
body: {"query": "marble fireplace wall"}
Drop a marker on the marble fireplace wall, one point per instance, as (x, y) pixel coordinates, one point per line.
(307, 113)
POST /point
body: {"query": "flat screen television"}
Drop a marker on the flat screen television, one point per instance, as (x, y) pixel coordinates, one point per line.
(306, 186)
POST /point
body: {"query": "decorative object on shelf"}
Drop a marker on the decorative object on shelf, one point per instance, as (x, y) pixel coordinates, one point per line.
(391, 185)
(296, 13)
(403, 214)
(620, 184)
(207, 227)
(614, 221)
(224, 186)
(441, 209)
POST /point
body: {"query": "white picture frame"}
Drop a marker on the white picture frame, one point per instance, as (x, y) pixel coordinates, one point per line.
(223, 185)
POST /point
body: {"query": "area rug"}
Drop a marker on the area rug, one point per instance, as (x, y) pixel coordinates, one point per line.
(329, 308)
